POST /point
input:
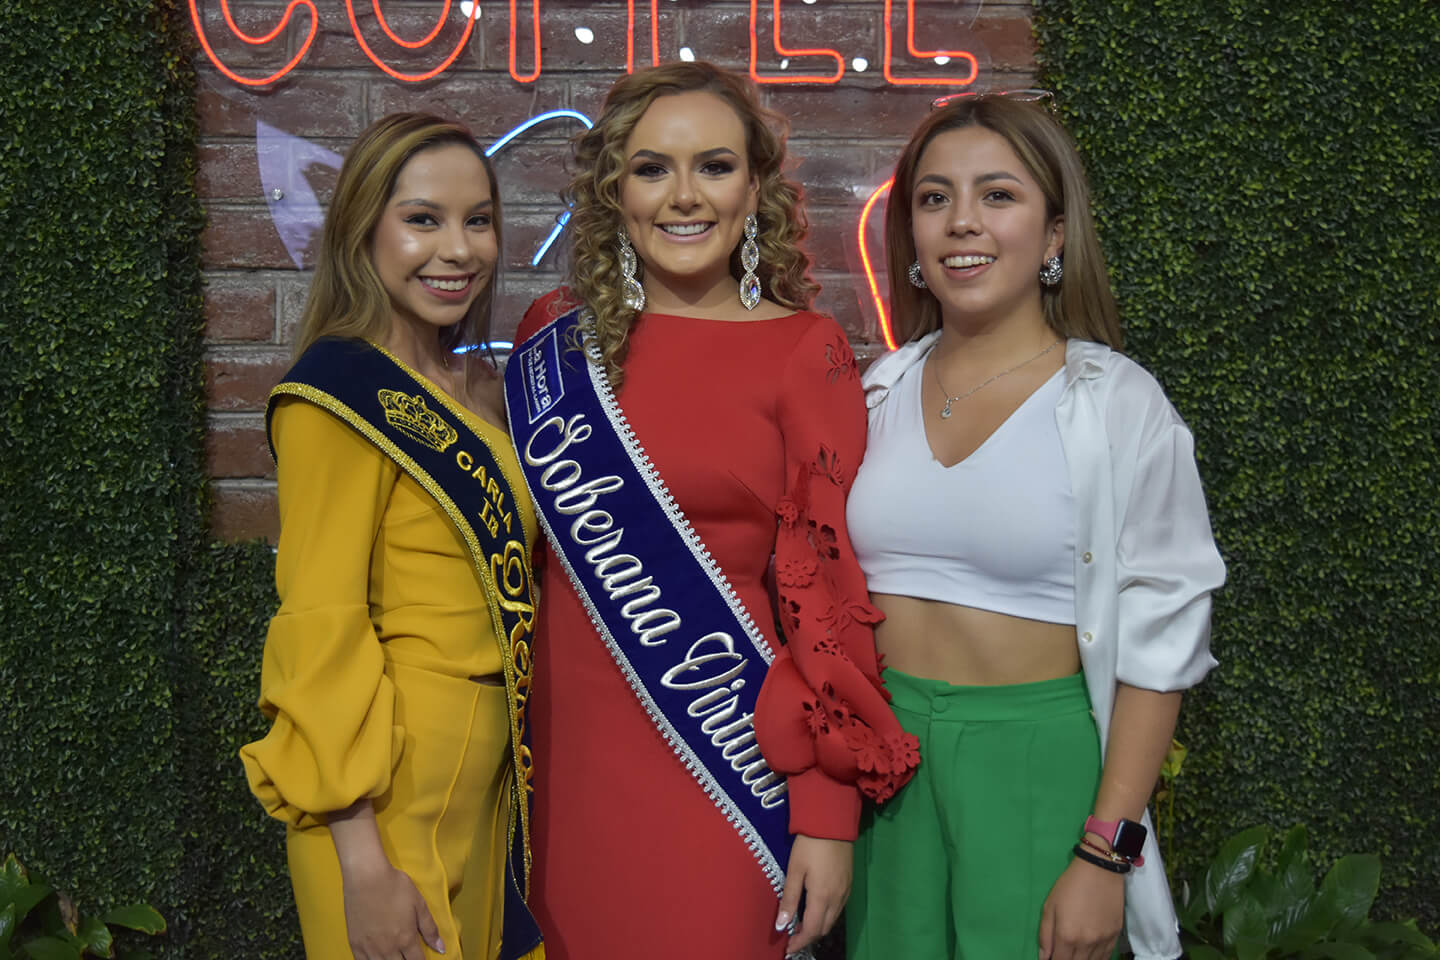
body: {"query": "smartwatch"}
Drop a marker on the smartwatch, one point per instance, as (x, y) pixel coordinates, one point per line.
(1126, 837)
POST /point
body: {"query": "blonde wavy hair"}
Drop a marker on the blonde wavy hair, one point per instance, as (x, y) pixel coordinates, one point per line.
(1082, 306)
(594, 197)
(347, 297)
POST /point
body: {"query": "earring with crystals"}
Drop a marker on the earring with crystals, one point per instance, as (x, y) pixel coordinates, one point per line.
(632, 293)
(750, 259)
(1051, 272)
(916, 279)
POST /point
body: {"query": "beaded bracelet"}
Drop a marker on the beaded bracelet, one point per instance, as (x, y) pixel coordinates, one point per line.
(1103, 863)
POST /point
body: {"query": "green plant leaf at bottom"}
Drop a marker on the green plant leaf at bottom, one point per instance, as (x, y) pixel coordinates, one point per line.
(1231, 869)
(50, 948)
(1350, 888)
(7, 928)
(137, 916)
(94, 937)
(1336, 950)
(1292, 850)
(17, 889)
(1383, 934)
(1200, 951)
(1248, 949)
(1244, 922)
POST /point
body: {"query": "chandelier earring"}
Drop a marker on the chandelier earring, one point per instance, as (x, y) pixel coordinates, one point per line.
(631, 292)
(1052, 272)
(916, 278)
(750, 259)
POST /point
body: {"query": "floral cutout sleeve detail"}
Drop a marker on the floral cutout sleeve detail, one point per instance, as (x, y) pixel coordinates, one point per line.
(823, 716)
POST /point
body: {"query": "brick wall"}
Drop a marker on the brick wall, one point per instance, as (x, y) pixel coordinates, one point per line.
(844, 140)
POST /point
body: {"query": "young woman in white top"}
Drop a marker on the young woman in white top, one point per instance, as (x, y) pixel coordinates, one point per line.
(1030, 520)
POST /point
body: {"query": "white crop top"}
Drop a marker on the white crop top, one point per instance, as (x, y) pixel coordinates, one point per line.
(996, 531)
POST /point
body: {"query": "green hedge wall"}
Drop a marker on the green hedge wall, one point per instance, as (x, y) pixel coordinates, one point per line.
(236, 899)
(99, 293)
(1268, 187)
(1267, 192)
(129, 654)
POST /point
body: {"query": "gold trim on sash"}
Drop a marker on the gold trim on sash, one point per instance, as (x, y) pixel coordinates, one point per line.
(504, 576)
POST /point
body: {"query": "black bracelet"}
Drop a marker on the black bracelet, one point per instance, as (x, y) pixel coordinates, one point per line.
(1101, 862)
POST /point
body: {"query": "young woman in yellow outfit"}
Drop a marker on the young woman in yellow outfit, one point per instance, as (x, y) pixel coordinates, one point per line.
(396, 669)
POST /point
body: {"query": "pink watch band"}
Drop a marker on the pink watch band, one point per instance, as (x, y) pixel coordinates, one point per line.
(1108, 829)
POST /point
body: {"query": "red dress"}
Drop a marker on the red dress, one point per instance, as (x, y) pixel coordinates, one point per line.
(757, 429)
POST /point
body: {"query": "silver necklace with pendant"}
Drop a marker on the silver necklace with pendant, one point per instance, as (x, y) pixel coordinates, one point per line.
(945, 411)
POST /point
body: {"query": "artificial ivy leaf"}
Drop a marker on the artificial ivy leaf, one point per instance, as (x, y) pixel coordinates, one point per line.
(1174, 761)
(137, 916)
(1231, 869)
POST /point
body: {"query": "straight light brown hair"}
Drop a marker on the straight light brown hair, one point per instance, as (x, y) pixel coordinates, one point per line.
(347, 297)
(1083, 305)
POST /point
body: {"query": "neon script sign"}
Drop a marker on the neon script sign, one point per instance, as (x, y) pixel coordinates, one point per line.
(815, 65)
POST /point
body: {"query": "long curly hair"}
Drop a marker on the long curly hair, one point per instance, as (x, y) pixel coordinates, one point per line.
(347, 297)
(594, 198)
(1083, 305)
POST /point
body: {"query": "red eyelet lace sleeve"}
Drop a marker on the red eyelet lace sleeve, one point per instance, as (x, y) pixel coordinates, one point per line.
(823, 717)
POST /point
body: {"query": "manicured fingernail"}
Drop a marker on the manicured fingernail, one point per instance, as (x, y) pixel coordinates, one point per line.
(439, 945)
(782, 921)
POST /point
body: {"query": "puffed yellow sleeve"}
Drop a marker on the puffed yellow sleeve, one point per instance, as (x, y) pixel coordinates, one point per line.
(322, 681)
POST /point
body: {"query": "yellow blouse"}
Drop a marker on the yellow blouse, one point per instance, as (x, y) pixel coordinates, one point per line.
(368, 568)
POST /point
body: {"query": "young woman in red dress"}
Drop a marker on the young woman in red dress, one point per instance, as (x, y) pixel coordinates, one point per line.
(749, 406)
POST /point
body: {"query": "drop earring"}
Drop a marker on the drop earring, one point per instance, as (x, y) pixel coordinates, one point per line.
(916, 279)
(750, 259)
(1052, 272)
(631, 292)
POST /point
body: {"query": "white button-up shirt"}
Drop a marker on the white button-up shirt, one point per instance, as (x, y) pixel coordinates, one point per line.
(1145, 561)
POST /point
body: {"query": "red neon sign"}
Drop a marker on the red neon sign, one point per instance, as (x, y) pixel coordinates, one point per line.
(869, 268)
(930, 54)
(256, 41)
(535, 32)
(535, 51)
(783, 51)
(630, 34)
(411, 44)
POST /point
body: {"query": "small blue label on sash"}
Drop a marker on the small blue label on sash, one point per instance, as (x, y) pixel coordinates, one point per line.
(540, 368)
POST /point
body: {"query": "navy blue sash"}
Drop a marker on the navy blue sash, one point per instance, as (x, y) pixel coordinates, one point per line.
(423, 431)
(673, 624)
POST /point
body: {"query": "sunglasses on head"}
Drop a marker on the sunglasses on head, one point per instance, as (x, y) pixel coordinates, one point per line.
(1026, 95)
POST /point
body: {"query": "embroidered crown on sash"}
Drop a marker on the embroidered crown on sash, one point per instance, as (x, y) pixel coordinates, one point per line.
(411, 416)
